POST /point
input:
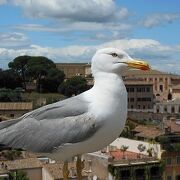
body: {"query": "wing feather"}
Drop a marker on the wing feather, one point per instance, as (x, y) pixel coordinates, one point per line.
(51, 126)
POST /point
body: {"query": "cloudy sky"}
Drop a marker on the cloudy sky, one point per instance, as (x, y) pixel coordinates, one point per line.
(72, 30)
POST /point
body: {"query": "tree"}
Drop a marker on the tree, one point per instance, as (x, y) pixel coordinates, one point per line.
(141, 148)
(52, 81)
(38, 68)
(8, 79)
(124, 149)
(9, 95)
(73, 86)
(20, 66)
(12, 154)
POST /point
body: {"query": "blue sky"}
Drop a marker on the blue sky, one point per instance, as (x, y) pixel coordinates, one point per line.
(71, 31)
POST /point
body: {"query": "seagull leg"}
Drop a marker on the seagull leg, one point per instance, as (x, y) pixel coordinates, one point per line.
(79, 167)
(65, 171)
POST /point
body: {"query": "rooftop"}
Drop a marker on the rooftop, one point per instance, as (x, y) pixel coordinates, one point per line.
(22, 164)
(16, 106)
(173, 125)
(150, 72)
(147, 131)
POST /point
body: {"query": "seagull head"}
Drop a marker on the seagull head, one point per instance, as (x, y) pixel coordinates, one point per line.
(113, 60)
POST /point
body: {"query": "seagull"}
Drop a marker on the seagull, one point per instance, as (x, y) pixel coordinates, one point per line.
(81, 124)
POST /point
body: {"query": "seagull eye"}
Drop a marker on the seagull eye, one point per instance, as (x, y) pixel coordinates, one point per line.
(114, 55)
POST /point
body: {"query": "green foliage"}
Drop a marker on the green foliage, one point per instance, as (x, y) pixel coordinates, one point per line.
(8, 79)
(176, 147)
(9, 95)
(18, 175)
(11, 154)
(38, 68)
(73, 86)
(124, 149)
(52, 81)
(141, 148)
(20, 67)
(127, 131)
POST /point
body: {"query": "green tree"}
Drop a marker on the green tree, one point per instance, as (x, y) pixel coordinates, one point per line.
(11, 154)
(73, 86)
(20, 66)
(9, 95)
(53, 79)
(8, 79)
(38, 68)
(124, 149)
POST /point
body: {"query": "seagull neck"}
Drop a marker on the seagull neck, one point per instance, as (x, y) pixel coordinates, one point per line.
(102, 80)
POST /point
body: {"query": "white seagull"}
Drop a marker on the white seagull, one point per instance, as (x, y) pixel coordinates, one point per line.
(85, 123)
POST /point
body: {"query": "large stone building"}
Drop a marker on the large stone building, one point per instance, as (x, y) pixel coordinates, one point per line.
(140, 94)
(75, 69)
(163, 83)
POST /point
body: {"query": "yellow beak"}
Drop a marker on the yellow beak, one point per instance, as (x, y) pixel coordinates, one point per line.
(138, 64)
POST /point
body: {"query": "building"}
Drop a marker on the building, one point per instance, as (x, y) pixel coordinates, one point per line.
(165, 85)
(75, 69)
(171, 107)
(38, 169)
(172, 165)
(113, 163)
(15, 109)
(140, 94)
(31, 166)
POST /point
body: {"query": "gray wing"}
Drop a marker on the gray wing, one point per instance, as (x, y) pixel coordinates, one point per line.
(51, 126)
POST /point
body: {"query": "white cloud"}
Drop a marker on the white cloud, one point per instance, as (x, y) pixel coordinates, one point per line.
(90, 17)
(13, 40)
(84, 11)
(160, 19)
(159, 56)
(3, 2)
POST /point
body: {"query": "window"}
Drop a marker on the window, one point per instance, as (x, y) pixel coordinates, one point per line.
(178, 160)
(160, 79)
(148, 89)
(165, 108)
(138, 89)
(139, 106)
(131, 90)
(168, 161)
(132, 106)
(161, 88)
(172, 109)
(169, 178)
(131, 99)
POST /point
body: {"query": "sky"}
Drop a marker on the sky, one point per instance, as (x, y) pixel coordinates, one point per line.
(72, 30)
